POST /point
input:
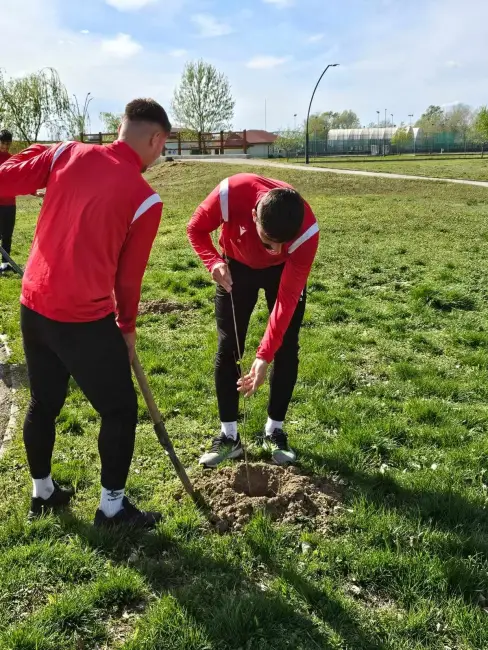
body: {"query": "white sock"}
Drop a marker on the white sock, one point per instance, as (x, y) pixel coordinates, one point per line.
(230, 429)
(42, 487)
(271, 425)
(111, 501)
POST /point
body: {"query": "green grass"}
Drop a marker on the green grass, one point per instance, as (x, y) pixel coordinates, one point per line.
(470, 168)
(392, 399)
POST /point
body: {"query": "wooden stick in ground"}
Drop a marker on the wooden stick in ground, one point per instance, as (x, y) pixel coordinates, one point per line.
(160, 429)
(15, 266)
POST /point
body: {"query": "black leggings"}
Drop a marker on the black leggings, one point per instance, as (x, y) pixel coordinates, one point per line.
(7, 225)
(96, 356)
(245, 289)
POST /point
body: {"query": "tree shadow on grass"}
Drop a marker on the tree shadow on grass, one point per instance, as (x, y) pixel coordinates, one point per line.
(234, 610)
(446, 510)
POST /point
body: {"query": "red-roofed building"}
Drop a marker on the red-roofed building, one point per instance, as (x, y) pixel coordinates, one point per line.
(255, 142)
(259, 143)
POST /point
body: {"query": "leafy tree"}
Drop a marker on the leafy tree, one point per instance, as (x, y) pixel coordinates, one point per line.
(402, 138)
(346, 120)
(38, 100)
(481, 127)
(460, 119)
(432, 121)
(79, 118)
(290, 141)
(321, 123)
(203, 102)
(110, 121)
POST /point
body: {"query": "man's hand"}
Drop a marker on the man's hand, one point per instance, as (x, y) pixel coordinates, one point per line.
(41, 193)
(221, 275)
(130, 340)
(249, 384)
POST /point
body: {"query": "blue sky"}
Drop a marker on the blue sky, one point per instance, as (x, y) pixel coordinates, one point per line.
(397, 54)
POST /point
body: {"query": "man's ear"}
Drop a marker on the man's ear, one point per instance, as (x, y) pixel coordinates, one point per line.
(254, 215)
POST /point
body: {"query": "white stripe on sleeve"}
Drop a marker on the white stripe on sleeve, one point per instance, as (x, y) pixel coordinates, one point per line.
(224, 199)
(59, 151)
(310, 232)
(145, 205)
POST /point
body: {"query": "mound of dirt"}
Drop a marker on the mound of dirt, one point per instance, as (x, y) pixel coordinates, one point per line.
(233, 494)
(162, 307)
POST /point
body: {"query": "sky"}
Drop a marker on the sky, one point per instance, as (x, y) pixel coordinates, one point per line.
(402, 55)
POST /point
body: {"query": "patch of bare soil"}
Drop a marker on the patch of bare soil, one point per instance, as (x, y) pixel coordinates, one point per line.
(162, 307)
(234, 494)
(5, 394)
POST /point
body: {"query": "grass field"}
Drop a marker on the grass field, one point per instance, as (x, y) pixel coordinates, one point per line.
(392, 399)
(475, 169)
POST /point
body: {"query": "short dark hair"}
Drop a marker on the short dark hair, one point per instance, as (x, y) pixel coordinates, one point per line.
(5, 136)
(148, 110)
(280, 214)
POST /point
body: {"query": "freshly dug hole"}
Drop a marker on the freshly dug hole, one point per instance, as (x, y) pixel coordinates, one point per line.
(282, 493)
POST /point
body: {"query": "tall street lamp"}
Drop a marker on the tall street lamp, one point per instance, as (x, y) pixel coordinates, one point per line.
(307, 157)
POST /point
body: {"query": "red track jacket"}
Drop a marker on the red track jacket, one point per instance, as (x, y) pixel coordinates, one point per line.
(6, 200)
(230, 205)
(94, 234)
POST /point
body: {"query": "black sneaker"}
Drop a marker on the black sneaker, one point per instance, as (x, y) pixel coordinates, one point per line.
(222, 448)
(277, 444)
(59, 499)
(130, 516)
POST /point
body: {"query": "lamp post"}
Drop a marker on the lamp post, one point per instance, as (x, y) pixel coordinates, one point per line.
(307, 157)
(392, 120)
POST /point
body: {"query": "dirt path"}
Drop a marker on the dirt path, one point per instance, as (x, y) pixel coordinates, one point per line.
(328, 170)
(10, 381)
(5, 394)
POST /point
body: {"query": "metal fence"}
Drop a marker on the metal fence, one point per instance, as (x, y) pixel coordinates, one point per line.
(439, 143)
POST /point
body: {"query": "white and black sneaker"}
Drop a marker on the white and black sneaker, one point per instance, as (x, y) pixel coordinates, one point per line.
(223, 448)
(277, 445)
(4, 267)
(58, 500)
(129, 516)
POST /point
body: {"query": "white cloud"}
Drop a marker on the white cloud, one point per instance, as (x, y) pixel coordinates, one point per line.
(266, 62)
(393, 74)
(280, 3)
(315, 38)
(83, 65)
(177, 53)
(122, 46)
(453, 64)
(84, 31)
(209, 26)
(129, 5)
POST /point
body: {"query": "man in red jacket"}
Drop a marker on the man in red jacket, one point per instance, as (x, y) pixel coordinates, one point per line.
(80, 295)
(269, 238)
(7, 204)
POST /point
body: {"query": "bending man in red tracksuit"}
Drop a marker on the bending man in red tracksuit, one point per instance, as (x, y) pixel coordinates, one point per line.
(80, 295)
(7, 204)
(269, 239)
